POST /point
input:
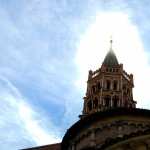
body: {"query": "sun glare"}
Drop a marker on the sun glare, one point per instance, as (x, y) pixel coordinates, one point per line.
(127, 45)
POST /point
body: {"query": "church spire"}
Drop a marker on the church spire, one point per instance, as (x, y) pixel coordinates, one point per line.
(110, 59)
(108, 87)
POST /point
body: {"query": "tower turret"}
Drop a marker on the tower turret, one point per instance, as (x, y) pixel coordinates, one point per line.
(108, 87)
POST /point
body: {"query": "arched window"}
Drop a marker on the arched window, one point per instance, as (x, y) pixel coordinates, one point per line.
(93, 89)
(89, 104)
(99, 85)
(128, 91)
(108, 84)
(124, 87)
(126, 104)
(115, 85)
(115, 101)
(107, 101)
(95, 103)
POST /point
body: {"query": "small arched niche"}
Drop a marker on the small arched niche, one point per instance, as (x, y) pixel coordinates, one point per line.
(107, 100)
(115, 101)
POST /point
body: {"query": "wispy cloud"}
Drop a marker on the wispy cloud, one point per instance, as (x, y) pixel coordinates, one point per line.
(21, 121)
(35, 81)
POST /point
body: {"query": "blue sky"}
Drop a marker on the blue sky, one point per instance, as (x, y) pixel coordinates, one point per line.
(39, 67)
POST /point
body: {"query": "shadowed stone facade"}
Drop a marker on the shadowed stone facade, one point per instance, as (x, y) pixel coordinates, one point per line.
(114, 129)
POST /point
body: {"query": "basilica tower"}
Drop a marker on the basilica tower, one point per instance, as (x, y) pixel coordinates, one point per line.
(108, 87)
(110, 119)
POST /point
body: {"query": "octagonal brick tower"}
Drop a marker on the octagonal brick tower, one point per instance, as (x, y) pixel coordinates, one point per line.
(108, 87)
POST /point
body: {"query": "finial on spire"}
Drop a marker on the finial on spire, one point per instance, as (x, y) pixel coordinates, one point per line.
(111, 41)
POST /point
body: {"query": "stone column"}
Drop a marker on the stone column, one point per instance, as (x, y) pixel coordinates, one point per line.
(73, 146)
(119, 101)
(92, 139)
(92, 104)
(102, 86)
(147, 142)
(121, 93)
(86, 109)
(111, 84)
(111, 102)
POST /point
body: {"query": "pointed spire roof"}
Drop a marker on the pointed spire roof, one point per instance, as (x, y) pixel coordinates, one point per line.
(110, 59)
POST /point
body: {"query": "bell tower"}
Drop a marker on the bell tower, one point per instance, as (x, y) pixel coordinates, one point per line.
(108, 87)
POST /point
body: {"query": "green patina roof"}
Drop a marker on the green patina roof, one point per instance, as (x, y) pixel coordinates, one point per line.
(110, 59)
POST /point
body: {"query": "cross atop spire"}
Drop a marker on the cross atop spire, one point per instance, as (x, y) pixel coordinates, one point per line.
(110, 59)
(111, 41)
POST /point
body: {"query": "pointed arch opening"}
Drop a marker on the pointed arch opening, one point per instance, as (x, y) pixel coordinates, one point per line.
(99, 85)
(108, 84)
(107, 101)
(115, 101)
(89, 105)
(95, 103)
(115, 85)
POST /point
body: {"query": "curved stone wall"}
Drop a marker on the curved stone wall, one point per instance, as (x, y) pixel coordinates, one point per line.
(108, 131)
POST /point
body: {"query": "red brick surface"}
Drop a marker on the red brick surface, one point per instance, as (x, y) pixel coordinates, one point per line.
(56, 146)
